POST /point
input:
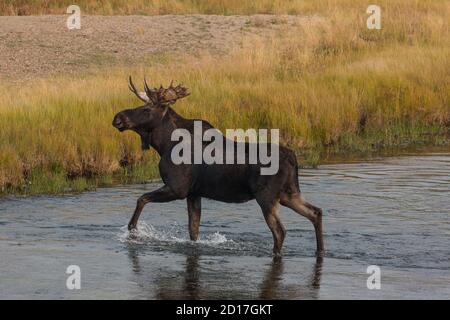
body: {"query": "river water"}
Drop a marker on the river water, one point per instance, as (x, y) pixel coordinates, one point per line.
(393, 213)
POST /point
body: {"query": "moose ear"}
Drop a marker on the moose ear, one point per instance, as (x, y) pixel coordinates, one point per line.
(146, 139)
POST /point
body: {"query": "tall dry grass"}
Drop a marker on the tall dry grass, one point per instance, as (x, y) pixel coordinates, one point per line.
(330, 85)
(221, 7)
(156, 7)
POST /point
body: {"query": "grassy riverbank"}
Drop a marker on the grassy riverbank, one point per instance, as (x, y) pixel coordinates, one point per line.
(331, 86)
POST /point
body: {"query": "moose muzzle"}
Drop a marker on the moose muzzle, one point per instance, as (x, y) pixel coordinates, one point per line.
(120, 122)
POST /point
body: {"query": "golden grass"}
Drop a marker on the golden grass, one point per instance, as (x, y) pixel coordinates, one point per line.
(221, 7)
(330, 85)
(156, 7)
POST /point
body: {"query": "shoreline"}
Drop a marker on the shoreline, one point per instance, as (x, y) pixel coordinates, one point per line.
(92, 185)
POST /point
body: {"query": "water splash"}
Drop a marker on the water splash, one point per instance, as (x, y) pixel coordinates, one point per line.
(146, 233)
(215, 238)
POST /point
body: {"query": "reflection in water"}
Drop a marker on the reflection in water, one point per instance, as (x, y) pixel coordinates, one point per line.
(133, 255)
(192, 285)
(317, 273)
(271, 282)
(271, 287)
(192, 276)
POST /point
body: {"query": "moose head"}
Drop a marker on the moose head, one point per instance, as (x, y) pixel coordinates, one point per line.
(145, 118)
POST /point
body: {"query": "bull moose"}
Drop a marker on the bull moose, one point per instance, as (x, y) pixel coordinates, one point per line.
(155, 121)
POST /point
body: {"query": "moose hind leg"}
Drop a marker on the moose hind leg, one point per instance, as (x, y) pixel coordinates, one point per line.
(312, 213)
(194, 212)
(270, 212)
(163, 194)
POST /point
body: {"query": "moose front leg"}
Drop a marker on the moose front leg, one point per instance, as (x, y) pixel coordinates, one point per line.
(194, 205)
(163, 194)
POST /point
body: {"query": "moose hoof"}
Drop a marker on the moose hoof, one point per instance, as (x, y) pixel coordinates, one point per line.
(131, 227)
(193, 237)
(277, 254)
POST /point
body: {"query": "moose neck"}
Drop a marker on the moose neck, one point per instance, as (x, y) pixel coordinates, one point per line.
(161, 135)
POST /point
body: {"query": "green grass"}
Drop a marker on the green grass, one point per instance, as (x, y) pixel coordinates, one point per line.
(332, 87)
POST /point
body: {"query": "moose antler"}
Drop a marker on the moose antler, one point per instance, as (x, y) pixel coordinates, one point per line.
(152, 94)
(172, 94)
(141, 95)
(161, 95)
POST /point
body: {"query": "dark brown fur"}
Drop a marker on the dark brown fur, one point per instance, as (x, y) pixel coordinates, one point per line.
(156, 120)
